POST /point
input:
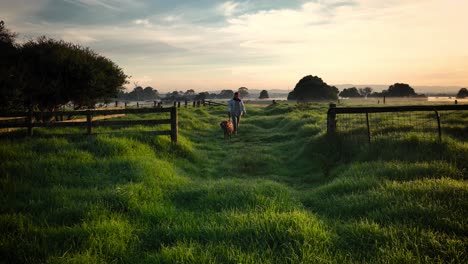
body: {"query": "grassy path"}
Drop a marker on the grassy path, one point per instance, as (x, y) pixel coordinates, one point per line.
(277, 193)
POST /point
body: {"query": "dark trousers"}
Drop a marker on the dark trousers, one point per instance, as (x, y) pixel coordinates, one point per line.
(235, 121)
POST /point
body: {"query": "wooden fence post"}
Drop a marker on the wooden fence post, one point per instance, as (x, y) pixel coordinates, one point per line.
(116, 103)
(438, 125)
(186, 103)
(174, 125)
(368, 127)
(194, 102)
(331, 119)
(138, 105)
(30, 121)
(89, 121)
(125, 104)
(178, 104)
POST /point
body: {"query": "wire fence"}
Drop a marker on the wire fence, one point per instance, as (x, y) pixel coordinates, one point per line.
(371, 123)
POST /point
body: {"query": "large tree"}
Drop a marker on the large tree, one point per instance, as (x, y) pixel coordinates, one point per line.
(10, 89)
(463, 93)
(313, 88)
(56, 72)
(399, 90)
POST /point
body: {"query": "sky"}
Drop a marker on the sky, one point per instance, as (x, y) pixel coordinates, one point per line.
(260, 44)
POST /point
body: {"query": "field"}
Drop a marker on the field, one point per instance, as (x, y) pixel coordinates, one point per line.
(279, 192)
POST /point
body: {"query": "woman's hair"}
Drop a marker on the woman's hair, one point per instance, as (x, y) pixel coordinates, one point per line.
(236, 93)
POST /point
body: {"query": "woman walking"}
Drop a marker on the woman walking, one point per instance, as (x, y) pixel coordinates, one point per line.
(236, 109)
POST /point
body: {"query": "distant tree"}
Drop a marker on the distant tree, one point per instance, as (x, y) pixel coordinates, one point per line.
(365, 91)
(150, 94)
(140, 94)
(243, 91)
(350, 92)
(190, 94)
(202, 96)
(463, 93)
(399, 90)
(264, 94)
(226, 94)
(375, 94)
(174, 96)
(313, 88)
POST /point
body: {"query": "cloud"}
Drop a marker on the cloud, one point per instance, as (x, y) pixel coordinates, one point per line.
(228, 8)
(144, 22)
(116, 5)
(171, 18)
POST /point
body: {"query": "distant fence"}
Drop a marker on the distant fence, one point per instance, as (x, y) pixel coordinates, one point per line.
(213, 103)
(30, 120)
(371, 122)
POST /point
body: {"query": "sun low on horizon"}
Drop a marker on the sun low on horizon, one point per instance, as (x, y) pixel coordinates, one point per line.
(212, 45)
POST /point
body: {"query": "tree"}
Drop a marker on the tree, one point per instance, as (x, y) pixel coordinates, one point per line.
(57, 72)
(174, 96)
(138, 94)
(264, 94)
(6, 36)
(350, 92)
(226, 94)
(190, 94)
(365, 91)
(202, 96)
(11, 96)
(150, 94)
(399, 90)
(313, 88)
(463, 93)
(243, 91)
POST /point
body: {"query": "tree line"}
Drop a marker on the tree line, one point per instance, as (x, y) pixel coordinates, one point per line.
(147, 94)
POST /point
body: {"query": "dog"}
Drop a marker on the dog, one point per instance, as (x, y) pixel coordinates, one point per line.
(227, 128)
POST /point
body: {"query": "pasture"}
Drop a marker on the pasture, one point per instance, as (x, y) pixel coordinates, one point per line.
(279, 192)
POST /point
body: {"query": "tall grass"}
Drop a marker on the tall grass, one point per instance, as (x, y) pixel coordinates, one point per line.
(279, 192)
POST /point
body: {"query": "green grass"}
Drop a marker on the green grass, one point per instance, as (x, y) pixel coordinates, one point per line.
(279, 192)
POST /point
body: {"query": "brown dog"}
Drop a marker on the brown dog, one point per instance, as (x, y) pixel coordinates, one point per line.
(228, 128)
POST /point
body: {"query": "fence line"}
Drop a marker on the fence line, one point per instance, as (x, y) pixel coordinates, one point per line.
(349, 120)
(89, 123)
(213, 103)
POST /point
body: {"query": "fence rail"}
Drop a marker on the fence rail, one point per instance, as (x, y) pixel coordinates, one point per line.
(214, 103)
(379, 120)
(27, 119)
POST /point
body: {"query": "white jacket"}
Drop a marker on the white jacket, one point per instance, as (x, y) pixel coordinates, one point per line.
(236, 107)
